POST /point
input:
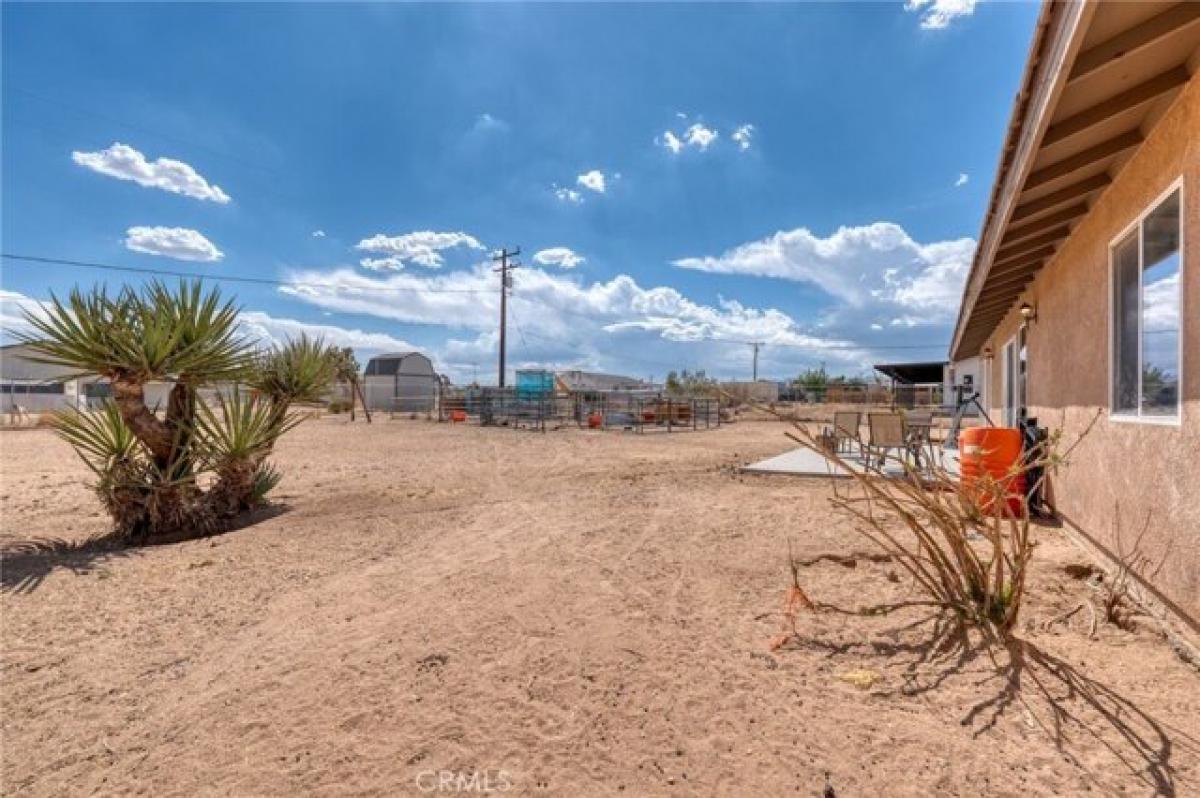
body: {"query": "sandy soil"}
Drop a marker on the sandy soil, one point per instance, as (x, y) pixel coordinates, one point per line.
(575, 613)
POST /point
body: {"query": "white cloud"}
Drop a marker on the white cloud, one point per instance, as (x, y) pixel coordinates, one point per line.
(255, 324)
(671, 142)
(593, 181)
(318, 233)
(423, 247)
(697, 137)
(179, 243)
(13, 307)
(568, 195)
(963, 177)
(271, 330)
(744, 135)
(938, 14)
(700, 136)
(873, 271)
(558, 256)
(559, 321)
(125, 163)
(387, 264)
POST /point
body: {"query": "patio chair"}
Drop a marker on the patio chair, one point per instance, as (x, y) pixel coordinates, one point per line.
(887, 431)
(845, 430)
(919, 424)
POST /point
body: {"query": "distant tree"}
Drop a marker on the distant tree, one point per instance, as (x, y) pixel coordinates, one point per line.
(346, 371)
(813, 380)
(689, 383)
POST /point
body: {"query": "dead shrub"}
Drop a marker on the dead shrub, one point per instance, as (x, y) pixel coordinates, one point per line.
(970, 561)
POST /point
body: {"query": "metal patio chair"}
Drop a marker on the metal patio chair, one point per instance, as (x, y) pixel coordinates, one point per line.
(887, 432)
(845, 431)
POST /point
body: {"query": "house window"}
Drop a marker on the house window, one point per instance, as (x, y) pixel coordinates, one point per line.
(1146, 302)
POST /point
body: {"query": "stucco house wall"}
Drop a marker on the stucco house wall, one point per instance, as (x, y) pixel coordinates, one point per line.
(1142, 468)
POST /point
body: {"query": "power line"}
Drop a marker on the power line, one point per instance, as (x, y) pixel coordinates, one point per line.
(235, 279)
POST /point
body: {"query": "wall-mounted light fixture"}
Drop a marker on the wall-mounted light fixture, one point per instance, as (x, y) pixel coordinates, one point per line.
(987, 353)
(1028, 312)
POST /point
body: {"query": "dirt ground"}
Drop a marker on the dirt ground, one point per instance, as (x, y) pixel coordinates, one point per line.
(441, 610)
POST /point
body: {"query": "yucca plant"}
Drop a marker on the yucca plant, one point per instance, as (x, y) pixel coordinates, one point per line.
(148, 462)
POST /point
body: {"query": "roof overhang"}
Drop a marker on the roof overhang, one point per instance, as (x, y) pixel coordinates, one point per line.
(1098, 78)
(915, 373)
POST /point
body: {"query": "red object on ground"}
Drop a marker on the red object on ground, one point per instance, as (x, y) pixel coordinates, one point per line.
(595, 420)
(458, 415)
(992, 452)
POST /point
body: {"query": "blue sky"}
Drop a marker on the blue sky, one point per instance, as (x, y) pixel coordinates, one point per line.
(693, 176)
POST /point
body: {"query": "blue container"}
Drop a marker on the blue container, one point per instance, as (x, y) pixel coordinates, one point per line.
(532, 384)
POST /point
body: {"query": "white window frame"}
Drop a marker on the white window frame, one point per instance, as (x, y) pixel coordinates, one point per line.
(1008, 379)
(1136, 225)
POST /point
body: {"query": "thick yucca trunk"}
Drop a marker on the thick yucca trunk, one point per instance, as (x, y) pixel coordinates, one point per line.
(130, 398)
(181, 424)
(233, 492)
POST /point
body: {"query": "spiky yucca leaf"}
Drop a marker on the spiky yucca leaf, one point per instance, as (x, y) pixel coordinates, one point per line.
(139, 336)
(209, 346)
(299, 371)
(266, 478)
(244, 427)
(101, 439)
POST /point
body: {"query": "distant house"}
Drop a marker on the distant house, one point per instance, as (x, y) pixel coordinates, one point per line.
(1084, 294)
(401, 381)
(33, 387)
(593, 382)
(40, 388)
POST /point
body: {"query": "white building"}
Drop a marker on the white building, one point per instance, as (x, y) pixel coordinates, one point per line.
(401, 381)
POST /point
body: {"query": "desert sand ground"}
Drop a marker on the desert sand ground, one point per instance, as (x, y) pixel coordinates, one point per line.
(574, 613)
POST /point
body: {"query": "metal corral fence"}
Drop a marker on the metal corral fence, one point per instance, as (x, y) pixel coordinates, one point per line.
(857, 394)
(523, 409)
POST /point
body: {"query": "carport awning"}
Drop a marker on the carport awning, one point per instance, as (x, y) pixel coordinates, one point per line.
(914, 373)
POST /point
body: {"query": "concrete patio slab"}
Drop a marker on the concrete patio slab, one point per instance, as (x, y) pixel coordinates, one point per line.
(807, 463)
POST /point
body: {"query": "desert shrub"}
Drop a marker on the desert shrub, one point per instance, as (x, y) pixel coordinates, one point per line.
(339, 406)
(965, 552)
(150, 467)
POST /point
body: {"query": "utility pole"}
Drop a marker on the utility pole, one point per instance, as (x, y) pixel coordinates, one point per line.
(506, 266)
(756, 345)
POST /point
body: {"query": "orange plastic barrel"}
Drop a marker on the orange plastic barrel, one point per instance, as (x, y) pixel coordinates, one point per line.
(993, 452)
(457, 416)
(595, 420)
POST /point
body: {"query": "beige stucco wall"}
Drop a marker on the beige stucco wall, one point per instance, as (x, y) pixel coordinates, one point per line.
(1143, 467)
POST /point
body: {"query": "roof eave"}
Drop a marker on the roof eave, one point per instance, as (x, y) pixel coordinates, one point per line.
(1057, 37)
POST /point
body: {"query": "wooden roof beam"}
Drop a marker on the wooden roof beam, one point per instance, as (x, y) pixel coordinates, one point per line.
(1142, 93)
(1018, 280)
(1139, 37)
(1024, 247)
(1061, 197)
(1082, 160)
(1013, 286)
(1036, 226)
(1019, 262)
(998, 295)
